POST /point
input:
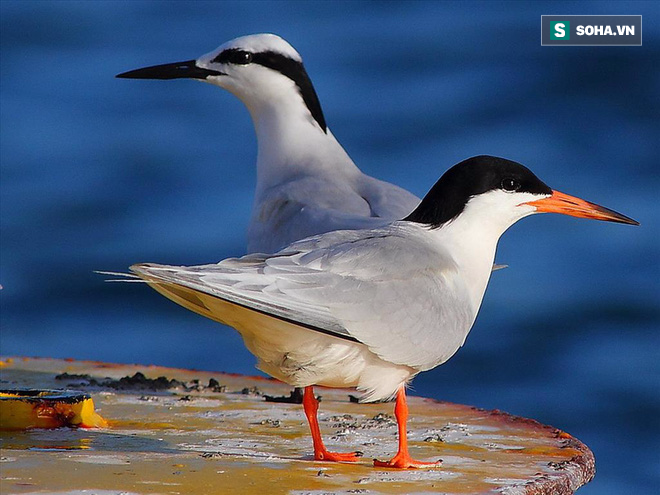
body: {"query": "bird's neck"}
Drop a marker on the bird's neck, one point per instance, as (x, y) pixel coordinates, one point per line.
(471, 237)
(474, 255)
(472, 241)
(291, 144)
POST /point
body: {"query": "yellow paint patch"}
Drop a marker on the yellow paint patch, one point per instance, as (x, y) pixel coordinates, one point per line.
(23, 409)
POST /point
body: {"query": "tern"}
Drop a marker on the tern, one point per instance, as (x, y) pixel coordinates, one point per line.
(306, 183)
(372, 308)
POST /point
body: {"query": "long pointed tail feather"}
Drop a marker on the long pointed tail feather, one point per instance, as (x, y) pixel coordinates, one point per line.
(126, 277)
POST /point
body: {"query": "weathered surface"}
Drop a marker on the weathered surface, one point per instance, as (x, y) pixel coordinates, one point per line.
(175, 435)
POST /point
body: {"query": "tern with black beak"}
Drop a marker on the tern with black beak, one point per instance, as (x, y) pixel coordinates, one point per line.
(306, 183)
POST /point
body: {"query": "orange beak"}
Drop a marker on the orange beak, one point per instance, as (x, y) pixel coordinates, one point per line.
(576, 207)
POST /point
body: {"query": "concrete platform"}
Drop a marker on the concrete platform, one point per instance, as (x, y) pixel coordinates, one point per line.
(182, 434)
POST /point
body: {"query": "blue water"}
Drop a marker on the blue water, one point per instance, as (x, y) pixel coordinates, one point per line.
(99, 173)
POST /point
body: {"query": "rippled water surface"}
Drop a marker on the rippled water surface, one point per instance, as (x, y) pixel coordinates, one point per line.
(100, 173)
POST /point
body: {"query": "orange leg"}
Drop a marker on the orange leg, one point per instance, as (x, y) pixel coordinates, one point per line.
(311, 406)
(402, 459)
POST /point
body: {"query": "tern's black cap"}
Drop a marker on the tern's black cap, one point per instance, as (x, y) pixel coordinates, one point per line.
(477, 175)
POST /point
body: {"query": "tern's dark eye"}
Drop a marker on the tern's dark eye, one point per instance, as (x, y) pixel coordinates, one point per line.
(510, 184)
(233, 56)
(240, 57)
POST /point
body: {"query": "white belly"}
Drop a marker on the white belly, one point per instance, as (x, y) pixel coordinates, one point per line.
(296, 355)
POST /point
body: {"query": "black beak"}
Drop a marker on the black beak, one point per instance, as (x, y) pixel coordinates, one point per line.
(179, 70)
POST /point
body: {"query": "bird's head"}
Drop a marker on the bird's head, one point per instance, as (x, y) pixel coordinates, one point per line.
(262, 70)
(494, 193)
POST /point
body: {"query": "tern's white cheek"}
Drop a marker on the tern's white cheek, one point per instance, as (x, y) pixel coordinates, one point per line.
(495, 211)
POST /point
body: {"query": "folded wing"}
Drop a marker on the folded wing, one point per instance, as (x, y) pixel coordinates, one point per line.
(391, 289)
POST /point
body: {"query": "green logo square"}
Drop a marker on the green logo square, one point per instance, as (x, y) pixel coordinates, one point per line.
(560, 30)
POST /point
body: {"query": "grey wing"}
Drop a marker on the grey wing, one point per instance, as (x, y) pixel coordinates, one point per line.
(390, 289)
(405, 300)
(297, 220)
(311, 206)
(386, 200)
(241, 281)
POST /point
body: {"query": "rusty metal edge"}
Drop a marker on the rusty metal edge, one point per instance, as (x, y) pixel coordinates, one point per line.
(580, 469)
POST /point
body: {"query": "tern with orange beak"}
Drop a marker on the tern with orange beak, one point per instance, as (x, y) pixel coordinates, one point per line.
(372, 308)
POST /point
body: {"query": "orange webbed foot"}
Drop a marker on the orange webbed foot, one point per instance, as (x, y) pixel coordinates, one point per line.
(311, 406)
(337, 456)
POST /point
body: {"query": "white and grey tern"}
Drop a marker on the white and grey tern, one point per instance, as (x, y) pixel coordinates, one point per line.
(372, 308)
(306, 183)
